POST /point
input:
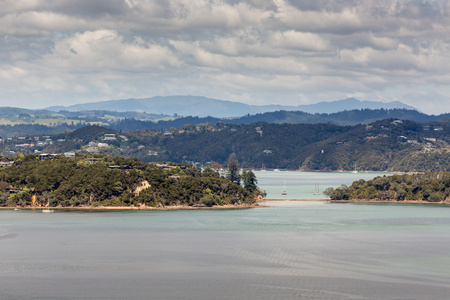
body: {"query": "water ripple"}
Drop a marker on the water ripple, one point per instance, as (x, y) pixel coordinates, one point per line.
(8, 236)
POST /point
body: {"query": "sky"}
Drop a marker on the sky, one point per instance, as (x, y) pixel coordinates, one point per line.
(65, 52)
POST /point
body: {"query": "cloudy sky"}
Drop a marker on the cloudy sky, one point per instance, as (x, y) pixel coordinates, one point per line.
(63, 52)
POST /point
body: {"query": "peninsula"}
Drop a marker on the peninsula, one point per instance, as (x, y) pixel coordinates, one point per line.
(99, 181)
(431, 187)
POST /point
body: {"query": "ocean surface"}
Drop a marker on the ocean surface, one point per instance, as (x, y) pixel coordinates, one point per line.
(306, 185)
(289, 250)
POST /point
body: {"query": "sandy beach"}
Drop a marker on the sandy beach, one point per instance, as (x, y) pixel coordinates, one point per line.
(388, 201)
(259, 203)
(320, 200)
(142, 207)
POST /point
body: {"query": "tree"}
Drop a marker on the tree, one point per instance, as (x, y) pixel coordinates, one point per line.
(233, 169)
(329, 192)
(250, 181)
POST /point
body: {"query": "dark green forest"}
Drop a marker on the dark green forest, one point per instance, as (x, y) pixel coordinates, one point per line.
(94, 180)
(429, 187)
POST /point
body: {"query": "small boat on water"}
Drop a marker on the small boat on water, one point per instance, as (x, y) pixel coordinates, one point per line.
(284, 190)
(48, 210)
(316, 190)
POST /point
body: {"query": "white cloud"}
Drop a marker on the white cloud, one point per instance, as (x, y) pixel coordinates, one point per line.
(302, 41)
(105, 50)
(272, 51)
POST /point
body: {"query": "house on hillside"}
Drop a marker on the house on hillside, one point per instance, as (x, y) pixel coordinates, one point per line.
(109, 137)
(6, 163)
(47, 156)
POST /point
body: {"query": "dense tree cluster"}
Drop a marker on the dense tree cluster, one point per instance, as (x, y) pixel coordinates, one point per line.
(92, 180)
(431, 187)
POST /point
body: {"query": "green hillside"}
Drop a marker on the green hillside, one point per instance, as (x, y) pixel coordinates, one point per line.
(93, 180)
(429, 187)
(387, 145)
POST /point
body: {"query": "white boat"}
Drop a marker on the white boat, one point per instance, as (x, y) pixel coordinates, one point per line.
(316, 190)
(284, 191)
(48, 210)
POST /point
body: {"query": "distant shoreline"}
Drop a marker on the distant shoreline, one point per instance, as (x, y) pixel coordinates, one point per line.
(359, 201)
(334, 171)
(388, 201)
(315, 200)
(216, 207)
(174, 207)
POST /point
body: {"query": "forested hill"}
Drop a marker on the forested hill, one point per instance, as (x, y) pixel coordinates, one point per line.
(351, 117)
(93, 180)
(387, 145)
(429, 187)
(17, 122)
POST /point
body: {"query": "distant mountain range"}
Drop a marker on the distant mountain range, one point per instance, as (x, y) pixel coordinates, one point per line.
(203, 107)
(343, 118)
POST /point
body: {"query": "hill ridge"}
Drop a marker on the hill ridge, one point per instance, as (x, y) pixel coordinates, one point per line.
(202, 106)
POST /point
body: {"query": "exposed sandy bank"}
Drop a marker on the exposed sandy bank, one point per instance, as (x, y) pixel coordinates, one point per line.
(143, 207)
(265, 200)
(387, 201)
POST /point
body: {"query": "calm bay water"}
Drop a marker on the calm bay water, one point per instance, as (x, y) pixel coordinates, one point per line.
(303, 185)
(290, 250)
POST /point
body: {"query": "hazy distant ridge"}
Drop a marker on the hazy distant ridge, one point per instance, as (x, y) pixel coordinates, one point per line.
(202, 106)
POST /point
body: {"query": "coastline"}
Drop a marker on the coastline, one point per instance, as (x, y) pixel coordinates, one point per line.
(388, 201)
(318, 200)
(142, 207)
(258, 204)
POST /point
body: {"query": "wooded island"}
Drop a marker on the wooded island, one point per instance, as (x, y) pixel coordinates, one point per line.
(101, 180)
(428, 187)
